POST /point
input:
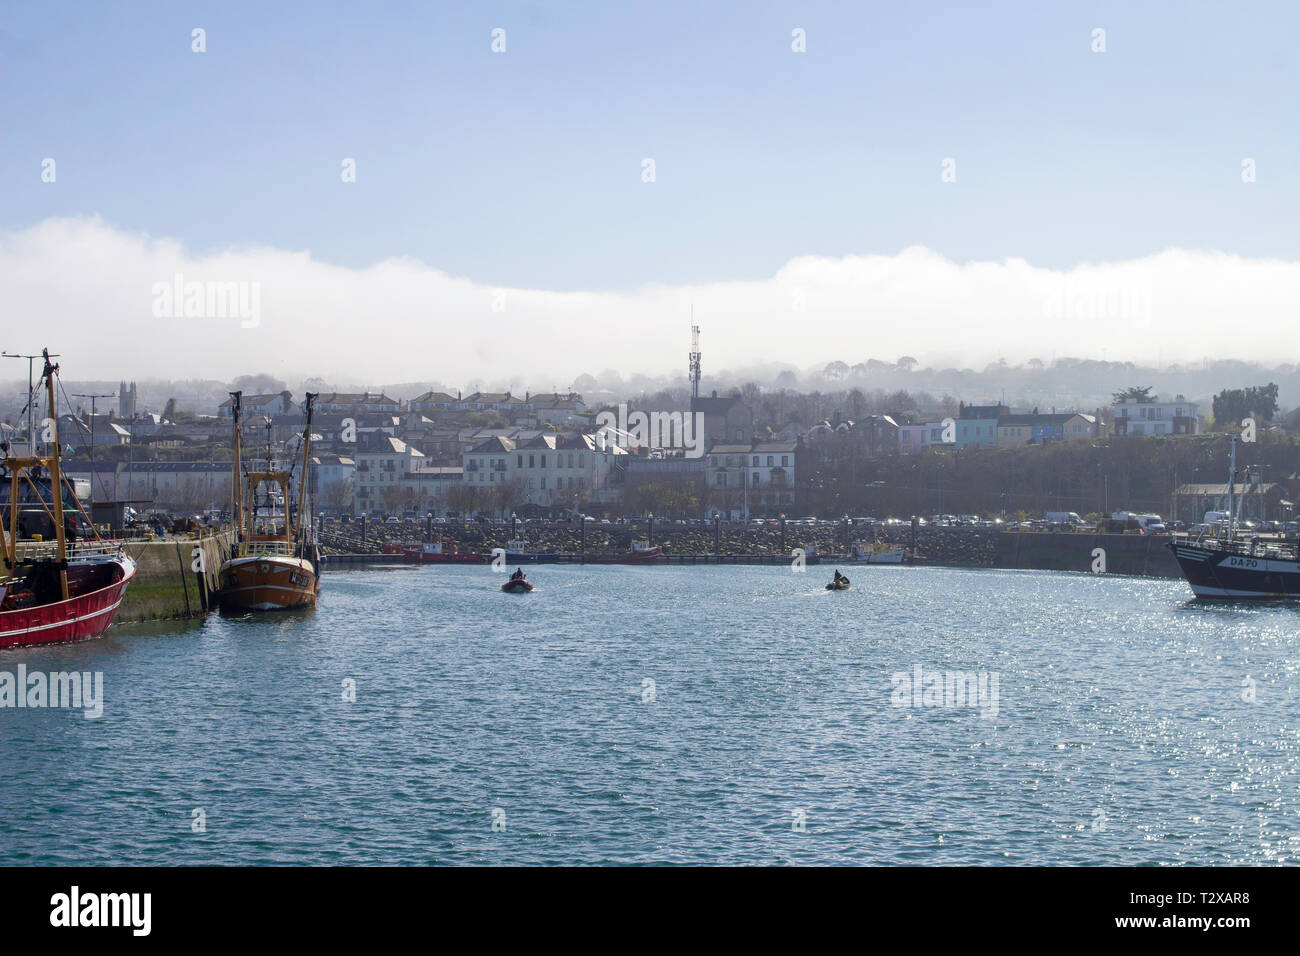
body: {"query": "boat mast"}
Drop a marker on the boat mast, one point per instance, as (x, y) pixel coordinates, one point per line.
(56, 475)
(1232, 475)
(8, 558)
(306, 457)
(236, 482)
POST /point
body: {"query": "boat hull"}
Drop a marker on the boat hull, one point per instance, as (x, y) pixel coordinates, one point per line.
(516, 587)
(1215, 574)
(650, 556)
(882, 557)
(82, 617)
(267, 583)
(420, 556)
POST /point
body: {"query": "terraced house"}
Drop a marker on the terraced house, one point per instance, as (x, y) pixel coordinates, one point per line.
(381, 463)
(549, 470)
(744, 479)
(977, 425)
(1036, 429)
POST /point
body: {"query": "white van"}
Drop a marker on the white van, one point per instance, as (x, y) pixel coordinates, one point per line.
(1151, 524)
(1062, 519)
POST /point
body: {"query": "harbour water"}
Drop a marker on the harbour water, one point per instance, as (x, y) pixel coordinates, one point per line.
(737, 715)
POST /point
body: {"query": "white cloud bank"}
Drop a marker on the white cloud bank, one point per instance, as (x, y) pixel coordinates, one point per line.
(89, 291)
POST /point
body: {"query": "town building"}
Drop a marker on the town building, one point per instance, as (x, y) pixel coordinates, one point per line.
(918, 437)
(381, 463)
(977, 425)
(726, 420)
(332, 479)
(758, 479)
(1179, 417)
(269, 406)
(354, 404)
(548, 470)
(1265, 501)
(1036, 429)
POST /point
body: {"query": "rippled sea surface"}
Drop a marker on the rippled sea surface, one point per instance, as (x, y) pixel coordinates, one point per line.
(674, 715)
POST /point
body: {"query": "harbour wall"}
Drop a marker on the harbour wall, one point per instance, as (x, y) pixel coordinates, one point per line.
(1146, 554)
(738, 543)
(166, 585)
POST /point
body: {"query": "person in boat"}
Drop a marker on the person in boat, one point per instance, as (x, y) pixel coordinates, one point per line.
(518, 575)
(839, 578)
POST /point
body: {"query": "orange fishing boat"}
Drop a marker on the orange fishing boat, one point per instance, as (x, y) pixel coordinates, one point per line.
(275, 565)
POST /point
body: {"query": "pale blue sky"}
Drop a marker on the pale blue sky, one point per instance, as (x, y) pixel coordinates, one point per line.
(523, 169)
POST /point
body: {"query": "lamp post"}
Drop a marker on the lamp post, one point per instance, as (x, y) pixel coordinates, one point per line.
(92, 441)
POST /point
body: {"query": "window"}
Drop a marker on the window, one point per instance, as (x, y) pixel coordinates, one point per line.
(755, 461)
(530, 461)
(770, 459)
(542, 463)
(785, 461)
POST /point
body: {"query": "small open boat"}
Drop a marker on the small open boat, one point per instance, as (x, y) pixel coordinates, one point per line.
(841, 585)
(517, 586)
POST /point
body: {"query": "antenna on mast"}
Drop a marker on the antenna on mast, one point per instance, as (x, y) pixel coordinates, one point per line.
(695, 356)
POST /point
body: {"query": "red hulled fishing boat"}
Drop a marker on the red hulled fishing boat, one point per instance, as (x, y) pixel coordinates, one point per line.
(61, 590)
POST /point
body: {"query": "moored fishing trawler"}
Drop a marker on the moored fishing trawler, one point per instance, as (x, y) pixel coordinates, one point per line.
(275, 565)
(519, 551)
(61, 590)
(442, 551)
(642, 553)
(876, 553)
(1226, 567)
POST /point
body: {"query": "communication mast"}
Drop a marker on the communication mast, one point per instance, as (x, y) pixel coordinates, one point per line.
(695, 359)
